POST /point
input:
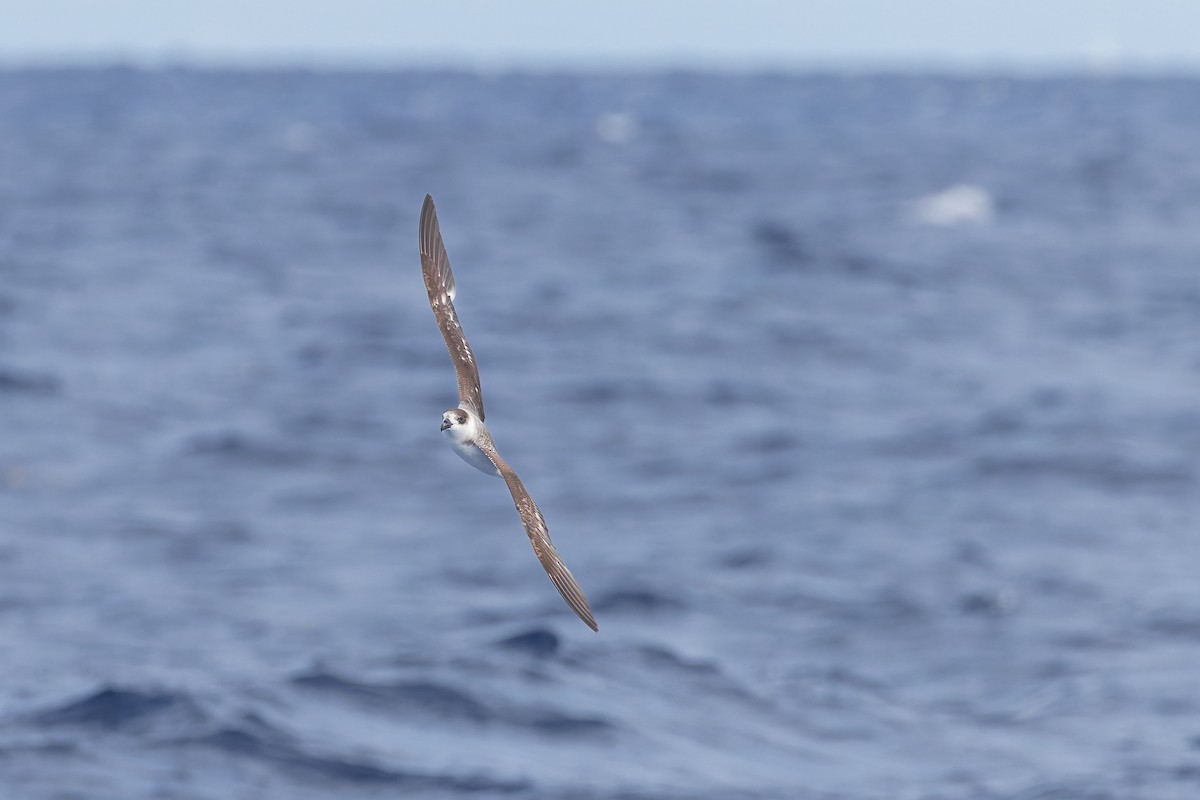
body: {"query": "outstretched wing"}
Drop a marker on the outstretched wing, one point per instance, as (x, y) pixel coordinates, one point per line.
(539, 537)
(439, 283)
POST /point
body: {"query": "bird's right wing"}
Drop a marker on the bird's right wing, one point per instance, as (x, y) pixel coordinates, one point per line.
(539, 537)
(439, 284)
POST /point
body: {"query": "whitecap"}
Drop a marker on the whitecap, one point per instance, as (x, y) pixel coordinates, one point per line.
(616, 127)
(956, 205)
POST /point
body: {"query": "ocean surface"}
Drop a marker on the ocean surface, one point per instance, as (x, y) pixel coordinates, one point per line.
(866, 409)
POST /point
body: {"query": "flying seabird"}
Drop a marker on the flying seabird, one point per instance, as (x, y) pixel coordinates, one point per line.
(464, 427)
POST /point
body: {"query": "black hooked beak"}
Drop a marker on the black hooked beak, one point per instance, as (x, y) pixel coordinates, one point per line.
(445, 424)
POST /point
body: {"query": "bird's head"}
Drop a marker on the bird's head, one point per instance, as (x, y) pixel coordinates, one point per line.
(455, 421)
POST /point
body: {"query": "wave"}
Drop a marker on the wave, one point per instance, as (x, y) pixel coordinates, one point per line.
(538, 641)
(119, 708)
(441, 703)
(416, 697)
(636, 601)
(22, 381)
(255, 739)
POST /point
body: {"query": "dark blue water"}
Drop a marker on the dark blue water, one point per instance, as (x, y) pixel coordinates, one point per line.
(864, 409)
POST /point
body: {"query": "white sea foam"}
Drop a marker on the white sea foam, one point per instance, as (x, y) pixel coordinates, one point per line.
(955, 205)
(616, 127)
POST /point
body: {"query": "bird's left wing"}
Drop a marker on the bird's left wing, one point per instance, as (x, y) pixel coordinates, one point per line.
(539, 537)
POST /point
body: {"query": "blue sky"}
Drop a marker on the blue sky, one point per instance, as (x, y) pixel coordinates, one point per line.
(1019, 34)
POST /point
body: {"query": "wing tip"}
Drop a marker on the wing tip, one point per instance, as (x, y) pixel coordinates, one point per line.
(428, 215)
(576, 600)
(585, 614)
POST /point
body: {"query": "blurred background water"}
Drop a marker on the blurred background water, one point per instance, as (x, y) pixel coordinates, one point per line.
(863, 408)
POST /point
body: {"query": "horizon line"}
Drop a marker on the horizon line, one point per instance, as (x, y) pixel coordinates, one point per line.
(307, 62)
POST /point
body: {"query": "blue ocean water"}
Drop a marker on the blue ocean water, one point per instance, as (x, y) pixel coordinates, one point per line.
(863, 407)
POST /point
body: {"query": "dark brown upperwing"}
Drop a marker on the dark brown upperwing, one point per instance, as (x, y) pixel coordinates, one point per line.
(539, 537)
(439, 283)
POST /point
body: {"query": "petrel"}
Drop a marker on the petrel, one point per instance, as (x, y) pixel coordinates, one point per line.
(464, 427)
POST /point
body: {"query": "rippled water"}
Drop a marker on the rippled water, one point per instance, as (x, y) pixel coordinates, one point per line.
(864, 409)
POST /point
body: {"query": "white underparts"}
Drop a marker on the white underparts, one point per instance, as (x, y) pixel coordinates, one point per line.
(462, 439)
(471, 454)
